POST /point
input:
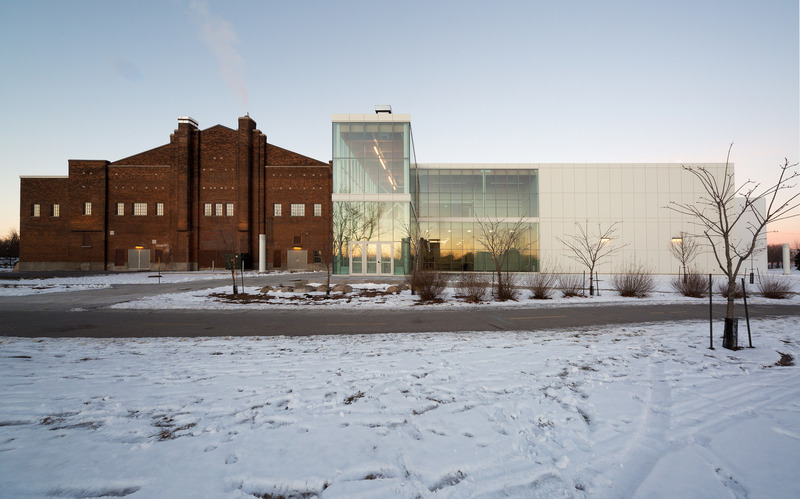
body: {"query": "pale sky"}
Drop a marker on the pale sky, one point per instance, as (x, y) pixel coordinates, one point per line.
(523, 82)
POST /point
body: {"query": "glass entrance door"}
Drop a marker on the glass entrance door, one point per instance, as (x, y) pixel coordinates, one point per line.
(371, 258)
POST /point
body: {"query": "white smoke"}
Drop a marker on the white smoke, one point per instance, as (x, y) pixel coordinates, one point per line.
(219, 35)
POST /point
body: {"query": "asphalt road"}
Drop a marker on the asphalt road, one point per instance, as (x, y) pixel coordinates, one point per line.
(86, 314)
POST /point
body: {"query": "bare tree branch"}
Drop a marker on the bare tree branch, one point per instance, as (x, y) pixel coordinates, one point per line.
(589, 249)
(499, 238)
(722, 221)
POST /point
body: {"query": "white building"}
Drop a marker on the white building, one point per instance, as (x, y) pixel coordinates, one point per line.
(376, 175)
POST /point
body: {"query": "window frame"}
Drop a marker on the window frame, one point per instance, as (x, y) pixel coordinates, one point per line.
(36, 210)
(297, 210)
(317, 209)
(159, 209)
(120, 209)
(207, 209)
(228, 209)
(139, 209)
(55, 210)
(276, 209)
(87, 208)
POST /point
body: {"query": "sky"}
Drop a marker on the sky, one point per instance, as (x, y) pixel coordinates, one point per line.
(517, 82)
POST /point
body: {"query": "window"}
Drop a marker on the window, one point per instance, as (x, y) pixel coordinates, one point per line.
(298, 210)
(87, 208)
(36, 210)
(139, 209)
(276, 209)
(317, 256)
(298, 240)
(317, 210)
(229, 210)
(159, 209)
(207, 209)
(218, 210)
(56, 210)
(120, 209)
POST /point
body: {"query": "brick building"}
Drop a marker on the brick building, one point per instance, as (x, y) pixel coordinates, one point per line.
(186, 204)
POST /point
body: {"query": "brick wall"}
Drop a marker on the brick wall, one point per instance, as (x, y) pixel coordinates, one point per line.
(217, 167)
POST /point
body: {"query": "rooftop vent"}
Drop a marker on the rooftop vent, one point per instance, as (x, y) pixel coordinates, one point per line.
(187, 119)
(384, 108)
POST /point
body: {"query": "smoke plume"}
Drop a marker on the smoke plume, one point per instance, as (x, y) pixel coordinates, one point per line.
(219, 35)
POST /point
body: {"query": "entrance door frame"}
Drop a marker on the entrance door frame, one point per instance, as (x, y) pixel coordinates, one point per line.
(379, 263)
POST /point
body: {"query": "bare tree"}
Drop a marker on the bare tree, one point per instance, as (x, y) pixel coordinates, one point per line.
(230, 244)
(589, 249)
(415, 246)
(685, 249)
(9, 245)
(326, 255)
(722, 220)
(499, 238)
(352, 223)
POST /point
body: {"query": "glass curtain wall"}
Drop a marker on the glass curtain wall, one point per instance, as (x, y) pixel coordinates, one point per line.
(372, 160)
(451, 201)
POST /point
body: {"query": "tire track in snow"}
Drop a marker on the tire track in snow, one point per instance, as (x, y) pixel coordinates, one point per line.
(648, 443)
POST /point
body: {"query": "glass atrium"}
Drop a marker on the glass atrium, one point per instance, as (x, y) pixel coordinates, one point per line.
(381, 196)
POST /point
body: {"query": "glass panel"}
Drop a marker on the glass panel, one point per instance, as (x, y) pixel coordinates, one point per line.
(357, 259)
(372, 258)
(386, 258)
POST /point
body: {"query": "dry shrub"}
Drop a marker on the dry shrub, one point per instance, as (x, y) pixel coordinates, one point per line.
(429, 285)
(541, 285)
(691, 284)
(508, 290)
(570, 285)
(635, 281)
(722, 289)
(773, 286)
(474, 286)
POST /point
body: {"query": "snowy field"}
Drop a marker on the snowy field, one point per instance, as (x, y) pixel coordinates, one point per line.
(642, 411)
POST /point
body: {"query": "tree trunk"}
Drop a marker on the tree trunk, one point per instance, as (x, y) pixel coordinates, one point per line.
(731, 295)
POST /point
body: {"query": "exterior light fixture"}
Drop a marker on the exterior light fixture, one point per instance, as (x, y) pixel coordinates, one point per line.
(677, 240)
(604, 240)
(139, 247)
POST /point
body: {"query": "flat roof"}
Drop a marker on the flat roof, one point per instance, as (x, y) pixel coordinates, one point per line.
(375, 117)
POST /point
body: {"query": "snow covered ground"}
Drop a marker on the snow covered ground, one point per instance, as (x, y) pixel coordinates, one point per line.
(206, 299)
(637, 411)
(642, 411)
(77, 282)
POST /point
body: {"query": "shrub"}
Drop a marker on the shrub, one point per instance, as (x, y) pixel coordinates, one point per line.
(541, 285)
(508, 290)
(773, 286)
(722, 289)
(571, 285)
(429, 285)
(635, 281)
(691, 284)
(473, 285)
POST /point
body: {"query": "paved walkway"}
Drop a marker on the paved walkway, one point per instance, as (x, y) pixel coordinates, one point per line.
(54, 315)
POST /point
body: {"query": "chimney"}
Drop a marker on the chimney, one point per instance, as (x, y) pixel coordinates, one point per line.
(187, 121)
